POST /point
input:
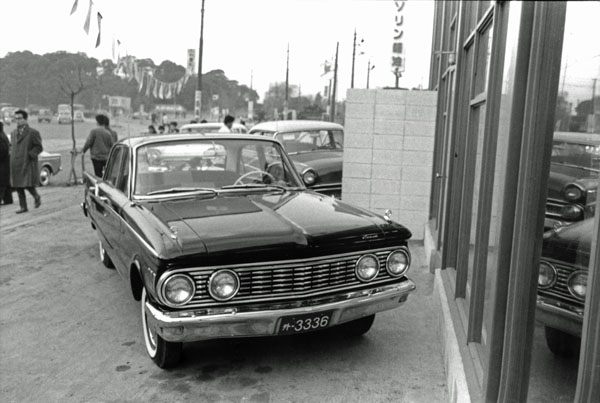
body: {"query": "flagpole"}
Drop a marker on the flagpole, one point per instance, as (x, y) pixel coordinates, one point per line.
(198, 97)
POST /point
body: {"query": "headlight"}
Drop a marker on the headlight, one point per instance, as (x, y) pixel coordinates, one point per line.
(367, 268)
(398, 262)
(546, 275)
(223, 285)
(572, 212)
(573, 193)
(309, 177)
(577, 284)
(178, 289)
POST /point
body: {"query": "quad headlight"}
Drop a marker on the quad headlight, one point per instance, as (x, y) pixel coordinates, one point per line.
(573, 193)
(309, 177)
(367, 267)
(572, 212)
(577, 284)
(223, 285)
(178, 289)
(398, 262)
(546, 275)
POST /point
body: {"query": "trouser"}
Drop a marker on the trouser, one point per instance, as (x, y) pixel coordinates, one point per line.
(6, 194)
(22, 199)
(98, 167)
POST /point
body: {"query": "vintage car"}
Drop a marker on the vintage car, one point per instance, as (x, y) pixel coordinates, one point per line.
(44, 115)
(218, 237)
(573, 181)
(562, 285)
(63, 117)
(316, 148)
(49, 164)
(211, 127)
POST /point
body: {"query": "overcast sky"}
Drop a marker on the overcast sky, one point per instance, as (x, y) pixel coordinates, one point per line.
(245, 38)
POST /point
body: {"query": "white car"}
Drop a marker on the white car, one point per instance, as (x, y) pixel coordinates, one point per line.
(211, 127)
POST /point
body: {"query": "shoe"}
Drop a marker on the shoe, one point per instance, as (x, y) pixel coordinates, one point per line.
(38, 202)
(21, 211)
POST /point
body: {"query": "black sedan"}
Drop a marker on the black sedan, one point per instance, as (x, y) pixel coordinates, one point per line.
(316, 148)
(218, 237)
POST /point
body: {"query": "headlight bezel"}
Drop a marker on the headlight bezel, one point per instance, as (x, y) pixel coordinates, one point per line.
(574, 193)
(406, 253)
(212, 277)
(356, 268)
(309, 173)
(554, 274)
(163, 289)
(570, 287)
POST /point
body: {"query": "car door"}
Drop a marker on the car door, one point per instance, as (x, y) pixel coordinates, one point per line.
(105, 201)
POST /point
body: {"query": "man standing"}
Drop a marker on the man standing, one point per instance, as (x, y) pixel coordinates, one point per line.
(99, 142)
(227, 124)
(26, 146)
(113, 133)
(5, 191)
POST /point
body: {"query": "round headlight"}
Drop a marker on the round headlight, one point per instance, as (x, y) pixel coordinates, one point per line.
(577, 284)
(223, 285)
(398, 262)
(546, 275)
(367, 268)
(309, 178)
(573, 193)
(178, 289)
(572, 212)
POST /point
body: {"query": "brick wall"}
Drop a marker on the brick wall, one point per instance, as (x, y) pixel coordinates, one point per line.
(388, 153)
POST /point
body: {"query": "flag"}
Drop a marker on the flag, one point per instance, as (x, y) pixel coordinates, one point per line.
(86, 26)
(99, 29)
(74, 8)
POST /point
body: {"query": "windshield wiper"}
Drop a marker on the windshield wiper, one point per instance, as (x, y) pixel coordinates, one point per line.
(182, 190)
(255, 186)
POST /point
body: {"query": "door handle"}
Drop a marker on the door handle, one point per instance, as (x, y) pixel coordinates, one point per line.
(103, 198)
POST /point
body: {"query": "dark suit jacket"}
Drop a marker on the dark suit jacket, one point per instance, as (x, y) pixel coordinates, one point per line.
(24, 157)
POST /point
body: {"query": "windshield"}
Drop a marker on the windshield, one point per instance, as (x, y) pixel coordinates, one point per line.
(203, 165)
(311, 140)
(575, 154)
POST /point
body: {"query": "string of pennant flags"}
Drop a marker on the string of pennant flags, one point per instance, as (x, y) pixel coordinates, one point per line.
(129, 68)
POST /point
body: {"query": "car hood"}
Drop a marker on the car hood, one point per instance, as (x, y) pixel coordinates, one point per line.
(570, 244)
(285, 225)
(561, 175)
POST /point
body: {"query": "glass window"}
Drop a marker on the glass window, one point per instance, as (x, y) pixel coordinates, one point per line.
(111, 172)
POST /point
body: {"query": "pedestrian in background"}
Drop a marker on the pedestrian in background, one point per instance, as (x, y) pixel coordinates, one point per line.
(5, 190)
(173, 127)
(151, 129)
(113, 133)
(227, 124)
(26, 145)
(99, 142)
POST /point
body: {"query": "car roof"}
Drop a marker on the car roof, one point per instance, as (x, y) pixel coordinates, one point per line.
(209, 125)
(173, 137)
(580, 138)
(281, 126)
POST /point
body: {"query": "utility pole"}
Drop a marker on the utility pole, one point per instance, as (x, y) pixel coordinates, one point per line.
(354, 57)
(369, 68)
(287, 81)
(198, 95)
(332, 117)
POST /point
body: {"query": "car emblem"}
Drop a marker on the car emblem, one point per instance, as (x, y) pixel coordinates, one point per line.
(370, 236)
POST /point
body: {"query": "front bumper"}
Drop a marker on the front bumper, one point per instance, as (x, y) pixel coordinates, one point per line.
(198, 324)
(551, 314)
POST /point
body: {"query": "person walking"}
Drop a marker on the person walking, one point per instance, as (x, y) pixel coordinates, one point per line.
(113, 133)
(5, 190)
(99, 142)
(227, 124)
(26, 144)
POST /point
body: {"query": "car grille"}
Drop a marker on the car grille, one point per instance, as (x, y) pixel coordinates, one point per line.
(560, 290)
(554, 207)
(279, 281)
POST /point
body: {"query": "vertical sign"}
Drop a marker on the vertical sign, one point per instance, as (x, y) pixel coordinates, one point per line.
(398, 55)
(191, 60)
(198, 104)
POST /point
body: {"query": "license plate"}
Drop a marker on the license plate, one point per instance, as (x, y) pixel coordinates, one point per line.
(304, 322)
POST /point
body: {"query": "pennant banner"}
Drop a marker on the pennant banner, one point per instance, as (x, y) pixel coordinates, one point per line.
(74, 7)
(99, 29)
(86, 26)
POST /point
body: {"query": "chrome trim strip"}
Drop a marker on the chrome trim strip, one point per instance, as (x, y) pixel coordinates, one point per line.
(549, 307)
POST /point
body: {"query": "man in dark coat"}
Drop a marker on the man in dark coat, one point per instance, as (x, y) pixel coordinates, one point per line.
(26, 146)
(5, 190)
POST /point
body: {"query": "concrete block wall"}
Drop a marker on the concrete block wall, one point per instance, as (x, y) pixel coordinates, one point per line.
(388, 153)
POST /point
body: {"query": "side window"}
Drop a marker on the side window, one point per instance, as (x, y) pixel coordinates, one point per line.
(112, 166)
(250, 159)
(123, 183)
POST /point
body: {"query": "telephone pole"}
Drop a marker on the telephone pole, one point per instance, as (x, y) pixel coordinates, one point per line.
(332, 117)
(287, 81)
(354, 57)
(198, 95)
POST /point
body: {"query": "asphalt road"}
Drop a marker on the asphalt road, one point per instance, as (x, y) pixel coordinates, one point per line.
(71, 332)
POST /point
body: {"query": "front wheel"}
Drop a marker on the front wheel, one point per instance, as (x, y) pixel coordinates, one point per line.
(164, 353)
(45, 175)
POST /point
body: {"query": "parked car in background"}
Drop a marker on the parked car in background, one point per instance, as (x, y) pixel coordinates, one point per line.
(44, 115)
(562, 285)
(211, 127)
(78, 116)
(64, 118)
(573, 181)
(316, 147)
(218, 237)
(49, 164)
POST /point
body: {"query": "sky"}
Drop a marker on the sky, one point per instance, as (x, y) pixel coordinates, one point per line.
(247, 39)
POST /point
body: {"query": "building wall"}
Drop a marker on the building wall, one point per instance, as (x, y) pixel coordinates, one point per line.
(388, 153)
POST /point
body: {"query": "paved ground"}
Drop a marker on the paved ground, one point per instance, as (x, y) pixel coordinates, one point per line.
(70, 332)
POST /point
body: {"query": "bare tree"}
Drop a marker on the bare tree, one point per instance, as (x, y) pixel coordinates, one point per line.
(72, 87)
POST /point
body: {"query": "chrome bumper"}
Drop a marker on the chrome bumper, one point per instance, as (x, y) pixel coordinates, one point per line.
(558, 317)
(194, 325)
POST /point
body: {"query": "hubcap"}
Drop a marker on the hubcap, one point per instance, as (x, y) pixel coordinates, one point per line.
(44, 176)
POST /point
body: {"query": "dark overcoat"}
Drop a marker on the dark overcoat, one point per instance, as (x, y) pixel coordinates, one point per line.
(4, 160)
(24, 157)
